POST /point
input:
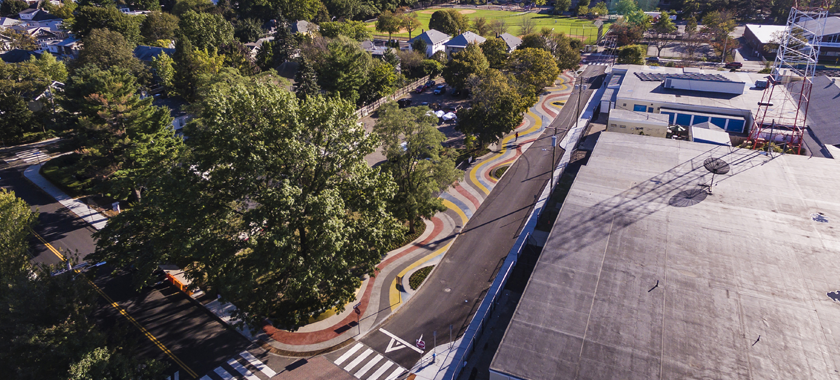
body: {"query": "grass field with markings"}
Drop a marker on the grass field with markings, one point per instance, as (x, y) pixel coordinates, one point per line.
(580, 28)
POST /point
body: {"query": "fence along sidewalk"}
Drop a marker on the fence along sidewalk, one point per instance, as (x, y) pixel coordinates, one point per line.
(371, 108)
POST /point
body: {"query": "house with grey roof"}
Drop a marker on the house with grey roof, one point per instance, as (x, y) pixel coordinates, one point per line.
(511, 41)
(434, 40)
(303, 27)
(461, 41)
(147, 53)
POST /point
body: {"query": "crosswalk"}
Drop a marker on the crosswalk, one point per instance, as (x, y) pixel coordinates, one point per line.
(366, 364)
(28, 157)
(235, 368)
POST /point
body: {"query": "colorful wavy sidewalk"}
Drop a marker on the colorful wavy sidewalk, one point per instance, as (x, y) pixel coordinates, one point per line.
(461, 200)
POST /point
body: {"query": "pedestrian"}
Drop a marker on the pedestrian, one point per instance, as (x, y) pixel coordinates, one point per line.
(517, 137)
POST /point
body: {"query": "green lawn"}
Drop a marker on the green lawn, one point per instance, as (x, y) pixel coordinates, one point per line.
(580, 28)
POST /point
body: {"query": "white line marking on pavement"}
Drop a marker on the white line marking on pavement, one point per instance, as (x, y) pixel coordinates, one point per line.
(260, 366)
(394, 374)
(224, 374)
(393, 347)
(241, 369)
(381, 370)
(358, 360)
(419, 351)
(348, 354)
(368, 366)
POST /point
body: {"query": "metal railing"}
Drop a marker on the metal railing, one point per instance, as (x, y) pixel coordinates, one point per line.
(371, 108)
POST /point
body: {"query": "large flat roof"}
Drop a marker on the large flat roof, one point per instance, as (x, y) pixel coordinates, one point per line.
(640, 278)
(652, 91)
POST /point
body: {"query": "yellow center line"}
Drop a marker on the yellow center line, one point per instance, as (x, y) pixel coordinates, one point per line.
(124, 313)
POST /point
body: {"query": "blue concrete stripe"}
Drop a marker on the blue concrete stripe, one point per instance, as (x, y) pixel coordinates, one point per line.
(457, 202)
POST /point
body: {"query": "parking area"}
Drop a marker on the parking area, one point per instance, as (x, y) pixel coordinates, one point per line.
(444, 102)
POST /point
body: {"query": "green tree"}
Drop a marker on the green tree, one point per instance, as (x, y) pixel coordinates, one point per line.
(632, 54)
(463, 64)
(186, 69)
(284, 44)
(498, 26)
(164, 67)
(65, 10)
(265, 55)
(88, 18)
(421, 167)
(17, 118)
(480, 26)
(205, 30)
(285, 203)
(449, 21)
(306, 80)
(497, 107)
(599, 9)
(296, 9)
(388, 23)
(663, 28)
(625, 7)
(184, 6)
(582, 9)
(356, 30)
(47, 331)
(17, 40)
(535, 68)
(495, 50)
(344, 69)
(431, 67)
(561, 6)
(639, 19)
(12, 7)
(411, 23)
(105, 48)
(248, 30)
(159, 26)
(381, 82)
(51, 67)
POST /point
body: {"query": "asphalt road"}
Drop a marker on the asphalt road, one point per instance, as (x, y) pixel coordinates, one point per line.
(456, 288)
(190, 332)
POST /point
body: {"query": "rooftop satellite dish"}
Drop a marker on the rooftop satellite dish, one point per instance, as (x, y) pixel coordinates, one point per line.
(715, 166)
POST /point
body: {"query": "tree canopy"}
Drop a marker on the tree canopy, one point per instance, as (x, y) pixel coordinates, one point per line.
(275, 206)
(159, 26)
(535, 68)
(205, 30)
(356, 30)
(495, 50)
(88, 18)
(497, 106)
(388, 23)
(464, 63)
(449, 21)
(421, 167)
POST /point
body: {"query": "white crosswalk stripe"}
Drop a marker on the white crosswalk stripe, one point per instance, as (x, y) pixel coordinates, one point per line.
(366, 364)
(234, 369)
(28, 156)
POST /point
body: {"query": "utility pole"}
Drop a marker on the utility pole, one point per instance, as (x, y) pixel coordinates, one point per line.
(723, 54)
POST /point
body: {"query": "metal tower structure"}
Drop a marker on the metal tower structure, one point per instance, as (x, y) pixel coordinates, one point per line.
(783, 109)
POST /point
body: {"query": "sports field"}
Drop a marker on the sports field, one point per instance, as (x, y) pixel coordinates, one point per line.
(580, 28)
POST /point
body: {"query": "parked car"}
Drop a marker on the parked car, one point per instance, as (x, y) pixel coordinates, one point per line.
(420, 89)
(653, 59)
(455, 92)
(404, 103)
(440, 89)
(733, 65)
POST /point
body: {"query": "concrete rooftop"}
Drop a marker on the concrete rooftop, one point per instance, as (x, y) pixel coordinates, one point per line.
(643, 278)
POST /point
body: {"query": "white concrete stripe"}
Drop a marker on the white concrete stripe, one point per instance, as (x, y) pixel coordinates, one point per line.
(348, 354)
(368, 366)
(242, 370)
(358, 360)
(395, 374)
(381, 370)
(224, 374)
(260, 366)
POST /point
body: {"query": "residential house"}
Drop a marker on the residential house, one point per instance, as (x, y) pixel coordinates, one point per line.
(69, 47)
(461, 41)
(28, 13)
(303, 27)
(375, 51)
(511, 41)
(434, 40)
(147, 53)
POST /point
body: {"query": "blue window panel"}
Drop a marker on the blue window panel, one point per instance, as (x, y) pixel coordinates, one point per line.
(683, 119)
(670, 117)
(650, 109)
(719, 121)
(735, 126)
(699, 119)
(639, 108)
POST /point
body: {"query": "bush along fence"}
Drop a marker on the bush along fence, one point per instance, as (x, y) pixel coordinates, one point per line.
(371, 108)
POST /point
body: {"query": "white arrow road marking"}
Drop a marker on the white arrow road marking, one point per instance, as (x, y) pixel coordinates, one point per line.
(393, 345)
(409, 345)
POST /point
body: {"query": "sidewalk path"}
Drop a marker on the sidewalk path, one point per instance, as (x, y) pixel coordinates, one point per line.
(83, 211)
(385, 294)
